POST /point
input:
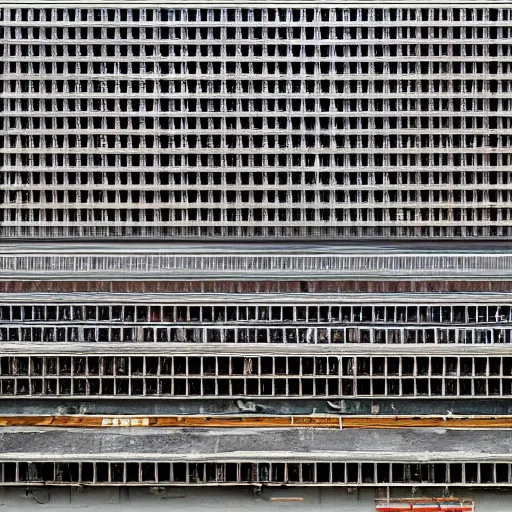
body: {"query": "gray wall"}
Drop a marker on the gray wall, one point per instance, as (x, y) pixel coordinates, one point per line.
(192, 500)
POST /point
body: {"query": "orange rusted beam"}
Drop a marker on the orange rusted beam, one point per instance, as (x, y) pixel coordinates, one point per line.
(50, 421)
(229, 421)
(170, 421)
(429, 421)
(287, 500)
(353, 422)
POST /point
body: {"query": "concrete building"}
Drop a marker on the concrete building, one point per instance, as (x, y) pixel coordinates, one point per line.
(342, 120)
(255, 245)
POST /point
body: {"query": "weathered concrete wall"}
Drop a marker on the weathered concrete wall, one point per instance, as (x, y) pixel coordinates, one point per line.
(196, 500)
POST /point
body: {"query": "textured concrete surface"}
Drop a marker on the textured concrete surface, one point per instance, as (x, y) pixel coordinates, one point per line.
(155, 407)
(198, 500)
(153, 444)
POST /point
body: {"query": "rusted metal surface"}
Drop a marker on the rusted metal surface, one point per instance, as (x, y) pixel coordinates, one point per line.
(255, 286)
(151, 286)
(428, 422)
(171, 421)
(337, 422)
(287, 500)
(425, 505)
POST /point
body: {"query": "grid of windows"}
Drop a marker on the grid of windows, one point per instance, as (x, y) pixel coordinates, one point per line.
(250, 323)
(253, 375)
(289, 122)
(396, 474)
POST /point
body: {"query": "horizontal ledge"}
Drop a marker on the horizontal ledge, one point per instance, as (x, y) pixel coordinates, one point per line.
(319, 421)
(282, 298)
(254, 444)
(39, 349)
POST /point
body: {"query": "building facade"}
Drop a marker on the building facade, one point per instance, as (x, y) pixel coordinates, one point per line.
(352, 120)
(256, 245)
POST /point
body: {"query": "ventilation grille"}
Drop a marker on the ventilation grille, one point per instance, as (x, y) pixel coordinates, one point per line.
(246, 473)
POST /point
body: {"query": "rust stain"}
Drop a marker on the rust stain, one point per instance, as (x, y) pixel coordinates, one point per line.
(287, 500)
(254, 286)
(366, 422)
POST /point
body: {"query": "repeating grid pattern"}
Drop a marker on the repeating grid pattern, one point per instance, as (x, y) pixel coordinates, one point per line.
(348, 122)
(181, 262)
(397, 474)
(282, 377)
(248, 323)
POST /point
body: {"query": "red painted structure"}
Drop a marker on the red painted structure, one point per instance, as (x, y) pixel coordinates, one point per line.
(426, 505)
